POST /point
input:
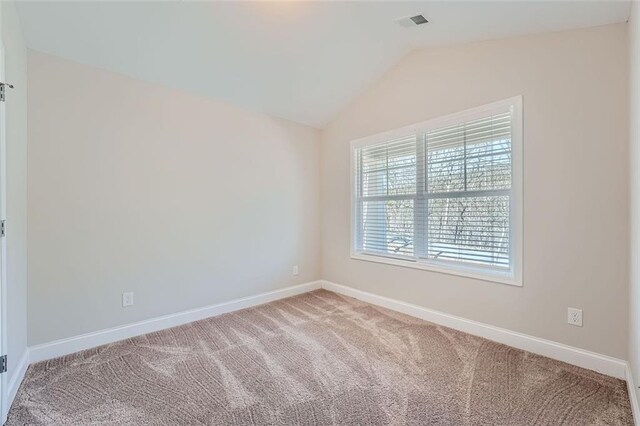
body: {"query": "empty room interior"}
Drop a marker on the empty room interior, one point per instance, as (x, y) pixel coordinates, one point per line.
(320, 212)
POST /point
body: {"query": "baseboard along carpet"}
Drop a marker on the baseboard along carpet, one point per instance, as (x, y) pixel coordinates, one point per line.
(314, 359)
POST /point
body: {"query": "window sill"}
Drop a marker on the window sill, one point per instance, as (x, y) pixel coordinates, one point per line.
(436, 268)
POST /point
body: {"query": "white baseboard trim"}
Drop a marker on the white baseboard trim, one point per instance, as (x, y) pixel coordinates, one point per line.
(17, 377)
(70, 345)
(633, 394)
(582, 358)
(579, 357)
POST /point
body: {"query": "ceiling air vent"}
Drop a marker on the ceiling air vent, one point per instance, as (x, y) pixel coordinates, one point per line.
(412, 21)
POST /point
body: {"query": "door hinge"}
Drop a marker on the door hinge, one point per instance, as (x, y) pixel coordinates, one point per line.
(3, 228)
(3, 90)
(3, 364)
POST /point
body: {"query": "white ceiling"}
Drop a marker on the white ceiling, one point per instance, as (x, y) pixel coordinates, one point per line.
(299, 60)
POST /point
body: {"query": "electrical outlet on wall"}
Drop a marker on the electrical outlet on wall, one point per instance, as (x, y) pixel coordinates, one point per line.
(574, 316)
(127, 299)
(294, 270)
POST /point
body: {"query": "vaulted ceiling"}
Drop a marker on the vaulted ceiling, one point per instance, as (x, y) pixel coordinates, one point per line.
(300, 60)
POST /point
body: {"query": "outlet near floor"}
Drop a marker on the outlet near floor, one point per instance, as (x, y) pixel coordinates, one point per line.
(294, 270)
(574, 316)
(127, 299)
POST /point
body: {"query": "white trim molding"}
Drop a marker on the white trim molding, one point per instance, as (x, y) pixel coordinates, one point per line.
(70, 345)
(17, 377)
(461, 271)
(582, 358)
(571, 355)
(413, 139)
(4, 400)
(633, 394)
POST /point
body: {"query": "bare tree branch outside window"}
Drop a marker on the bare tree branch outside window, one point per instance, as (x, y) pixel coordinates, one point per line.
(461, 201)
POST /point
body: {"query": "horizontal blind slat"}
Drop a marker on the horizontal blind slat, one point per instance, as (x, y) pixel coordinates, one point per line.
(467, 172)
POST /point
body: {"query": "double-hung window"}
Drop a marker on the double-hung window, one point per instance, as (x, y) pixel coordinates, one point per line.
(443, 195)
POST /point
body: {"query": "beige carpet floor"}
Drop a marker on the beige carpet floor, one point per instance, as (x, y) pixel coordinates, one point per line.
(314, 359)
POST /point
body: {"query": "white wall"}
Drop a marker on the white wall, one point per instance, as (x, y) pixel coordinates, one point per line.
(634, 126)
(188, 202)
(576, 218)
(136, 187)
(16, 137)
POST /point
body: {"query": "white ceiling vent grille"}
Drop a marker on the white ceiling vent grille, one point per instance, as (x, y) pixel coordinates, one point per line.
(412, 21)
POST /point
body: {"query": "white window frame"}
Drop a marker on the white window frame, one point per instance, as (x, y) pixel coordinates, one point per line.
(514, 275)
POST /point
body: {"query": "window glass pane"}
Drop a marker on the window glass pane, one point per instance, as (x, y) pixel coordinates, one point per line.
(445, 159)
(489, 165)
(402, 180)
(455, 180)
(389, 169)
(488, 153)
(387, 226)
(470, 229)
(374, 183)
(471, 156)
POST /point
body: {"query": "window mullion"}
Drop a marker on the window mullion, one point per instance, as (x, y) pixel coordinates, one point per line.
(420, 207)
(359, 208)
(457, 226)
(464, 141)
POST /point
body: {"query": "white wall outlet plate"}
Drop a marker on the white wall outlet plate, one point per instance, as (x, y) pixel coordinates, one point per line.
(574, 316)
(294, 270)
(127, 299)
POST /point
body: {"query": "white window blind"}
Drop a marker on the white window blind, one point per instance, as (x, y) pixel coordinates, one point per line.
(441, 193)
(387, 184)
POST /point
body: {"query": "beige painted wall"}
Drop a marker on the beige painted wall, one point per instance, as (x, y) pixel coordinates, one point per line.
(136, 187)
(634, 126)
(16, 137)
(576, 219)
